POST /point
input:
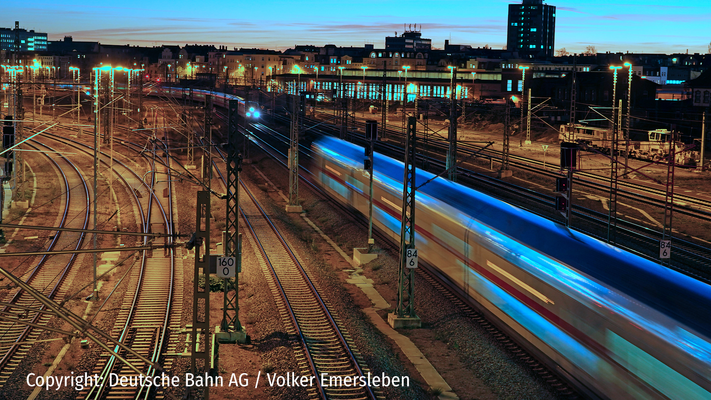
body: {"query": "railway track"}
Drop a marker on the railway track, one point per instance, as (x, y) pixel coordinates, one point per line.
(325, 348)
(324, 345)
(145, 322)
(50, 273)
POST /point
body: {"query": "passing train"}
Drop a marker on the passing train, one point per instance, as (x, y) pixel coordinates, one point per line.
(648, 145)
(618, 325)
(249, 109)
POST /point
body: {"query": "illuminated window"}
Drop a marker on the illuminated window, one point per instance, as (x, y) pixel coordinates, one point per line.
(509, 85)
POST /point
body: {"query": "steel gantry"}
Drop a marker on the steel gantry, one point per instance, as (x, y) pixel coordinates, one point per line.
(451, 164)
(18, 115)
(384, 100)
(200, 332)
(614, 150)
(405, 315)
(297, 115)
(231, 325)
(666, 242)
(504, 171)
(207, 154)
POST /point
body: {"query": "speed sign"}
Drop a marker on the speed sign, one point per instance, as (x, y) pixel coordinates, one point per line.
(226, 267)
(411, 258)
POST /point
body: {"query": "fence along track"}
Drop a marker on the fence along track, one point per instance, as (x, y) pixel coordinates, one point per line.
(48, 276)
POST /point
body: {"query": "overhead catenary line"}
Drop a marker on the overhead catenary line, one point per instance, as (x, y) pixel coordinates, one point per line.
(50, 253)
(102, 232)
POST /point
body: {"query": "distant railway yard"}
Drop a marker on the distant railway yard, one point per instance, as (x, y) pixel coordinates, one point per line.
(513, 299)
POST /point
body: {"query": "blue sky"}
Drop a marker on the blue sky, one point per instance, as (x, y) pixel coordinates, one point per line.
(628, 25)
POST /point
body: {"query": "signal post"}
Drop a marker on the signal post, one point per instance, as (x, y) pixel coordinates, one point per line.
(405, 316)
(366, 255)
(564, 186)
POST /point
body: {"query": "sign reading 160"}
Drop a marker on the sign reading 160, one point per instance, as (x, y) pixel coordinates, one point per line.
(226, 267)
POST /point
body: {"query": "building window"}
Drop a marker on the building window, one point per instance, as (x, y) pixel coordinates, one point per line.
(509, 85)
(707, 94)
(697, 96)
(520, 86)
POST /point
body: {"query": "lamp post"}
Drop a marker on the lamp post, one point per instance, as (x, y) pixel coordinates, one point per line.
(316, 85)
(629, 117)
(523, 87)
(473, 83)
(97, 109)
(406, 68)
(404, 99)
(614, 92)
(451, 161)
(363, 67)
(78, 90)
(340, 84)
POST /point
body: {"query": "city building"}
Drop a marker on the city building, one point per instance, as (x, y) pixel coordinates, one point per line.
(531, 29)
(409, 41)
(29, 40)
(701, 90)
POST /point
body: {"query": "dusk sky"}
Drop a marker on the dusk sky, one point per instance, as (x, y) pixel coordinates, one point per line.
(659, 26)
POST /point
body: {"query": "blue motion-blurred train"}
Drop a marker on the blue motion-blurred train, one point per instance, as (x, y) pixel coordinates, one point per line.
(618, 324)
(248, 109)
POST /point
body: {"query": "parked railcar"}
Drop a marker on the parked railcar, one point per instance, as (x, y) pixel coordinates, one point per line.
(651, 145)
(621, 326)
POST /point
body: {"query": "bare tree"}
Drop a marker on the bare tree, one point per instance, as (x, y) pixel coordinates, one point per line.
(709, 47)
(590, 50)
(562, 52)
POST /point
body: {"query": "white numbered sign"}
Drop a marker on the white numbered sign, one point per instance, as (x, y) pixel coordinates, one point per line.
(411, 258)
(226, 267)
(664, 248)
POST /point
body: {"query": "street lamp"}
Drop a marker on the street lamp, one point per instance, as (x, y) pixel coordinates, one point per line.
(340, 84)
(364, 90)
(72, 69)
(473, 83)
(405, 67)
(614, 91)
(629, 116)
